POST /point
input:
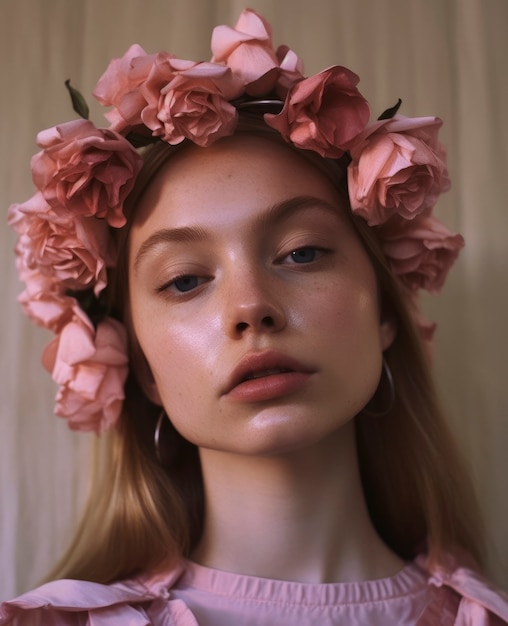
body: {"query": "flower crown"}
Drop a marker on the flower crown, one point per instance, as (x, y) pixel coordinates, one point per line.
(83, 175)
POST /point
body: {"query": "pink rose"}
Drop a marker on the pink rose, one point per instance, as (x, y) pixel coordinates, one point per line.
(146, 97)
(248, 50)
(290, 71)
(91, 367)
(43, 300)
(119, 87)
(323, 113)
(72, 251)
(164, 69)
(85, 171)
(194, 105)
(398, 167)
(420, 251)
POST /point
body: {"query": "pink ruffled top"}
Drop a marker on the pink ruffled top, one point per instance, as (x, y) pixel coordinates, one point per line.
(192, 595)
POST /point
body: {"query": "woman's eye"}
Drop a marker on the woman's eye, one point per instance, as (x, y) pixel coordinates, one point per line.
(182, 284)
(185, 283)
(304, 255)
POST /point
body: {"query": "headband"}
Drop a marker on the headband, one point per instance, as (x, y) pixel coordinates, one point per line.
(395, 172)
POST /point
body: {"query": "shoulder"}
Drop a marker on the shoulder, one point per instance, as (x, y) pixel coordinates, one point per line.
(465, 594)
(136, 602)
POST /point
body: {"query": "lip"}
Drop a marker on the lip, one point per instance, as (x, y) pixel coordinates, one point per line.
(265, 376)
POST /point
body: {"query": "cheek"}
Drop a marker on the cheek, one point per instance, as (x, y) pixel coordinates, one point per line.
(348, 306)
(178, 355)
(348, 331)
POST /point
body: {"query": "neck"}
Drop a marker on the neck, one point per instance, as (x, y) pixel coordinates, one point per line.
(300, 516)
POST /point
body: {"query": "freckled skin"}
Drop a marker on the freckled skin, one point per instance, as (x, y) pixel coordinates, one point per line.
(250, 295)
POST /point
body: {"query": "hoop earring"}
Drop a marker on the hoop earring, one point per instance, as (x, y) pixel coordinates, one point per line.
(391, 395)
(157, 435)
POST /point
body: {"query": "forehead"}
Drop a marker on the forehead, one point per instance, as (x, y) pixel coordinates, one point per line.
(240, 171)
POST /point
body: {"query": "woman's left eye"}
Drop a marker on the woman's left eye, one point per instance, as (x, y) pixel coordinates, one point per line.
(306, 254)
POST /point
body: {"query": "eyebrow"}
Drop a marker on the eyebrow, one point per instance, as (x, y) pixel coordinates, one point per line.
(169, 235)
(274, 215)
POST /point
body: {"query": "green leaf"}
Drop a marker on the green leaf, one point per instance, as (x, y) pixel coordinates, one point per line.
(389, 113)
(78, 102)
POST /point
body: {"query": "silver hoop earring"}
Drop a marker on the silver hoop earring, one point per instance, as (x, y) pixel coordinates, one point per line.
(157, 435)
(374, 412)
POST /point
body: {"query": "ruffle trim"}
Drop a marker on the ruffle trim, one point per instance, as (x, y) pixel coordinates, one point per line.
(459, 597)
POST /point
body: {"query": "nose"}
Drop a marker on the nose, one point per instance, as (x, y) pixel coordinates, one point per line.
(253, 304)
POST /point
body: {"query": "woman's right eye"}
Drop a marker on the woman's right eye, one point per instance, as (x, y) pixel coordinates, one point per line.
(186, 283)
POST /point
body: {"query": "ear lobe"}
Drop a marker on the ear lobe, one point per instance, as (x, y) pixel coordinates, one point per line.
(387, 331)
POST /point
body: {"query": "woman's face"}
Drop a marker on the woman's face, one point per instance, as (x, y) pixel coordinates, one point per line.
(252, 299)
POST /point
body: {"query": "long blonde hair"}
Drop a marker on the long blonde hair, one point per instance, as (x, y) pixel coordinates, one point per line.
(143, 516)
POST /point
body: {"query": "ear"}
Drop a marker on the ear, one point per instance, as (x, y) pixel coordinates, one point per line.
(387, 331)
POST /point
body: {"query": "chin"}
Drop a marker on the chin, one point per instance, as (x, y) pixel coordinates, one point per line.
(280, 436)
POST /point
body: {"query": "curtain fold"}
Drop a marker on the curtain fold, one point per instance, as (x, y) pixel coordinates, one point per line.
(445, 58)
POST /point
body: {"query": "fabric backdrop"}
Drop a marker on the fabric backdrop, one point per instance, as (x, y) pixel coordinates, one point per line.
(443, 57)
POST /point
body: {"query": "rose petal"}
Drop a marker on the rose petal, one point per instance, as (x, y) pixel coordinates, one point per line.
(85, 170)
(398, 167)
(420, 251)
(91, 367)
(323, 113)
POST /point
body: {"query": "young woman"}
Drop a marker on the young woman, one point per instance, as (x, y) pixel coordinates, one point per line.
(238, 306)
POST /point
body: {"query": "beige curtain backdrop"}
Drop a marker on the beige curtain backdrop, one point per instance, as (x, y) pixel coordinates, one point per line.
(444, 57)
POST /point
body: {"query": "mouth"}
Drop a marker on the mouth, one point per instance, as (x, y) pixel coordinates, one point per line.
(266, 374)
(269, 372)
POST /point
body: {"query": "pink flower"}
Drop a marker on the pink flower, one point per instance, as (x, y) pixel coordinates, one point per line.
(420, 251)
(119, 87)
(91, 367)
(194, 104)
(72, 251)
(323, 113)
(85, 171)
(163, 70)
(398, 167)
(248, 50)
(290, 71)
(43, 300)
